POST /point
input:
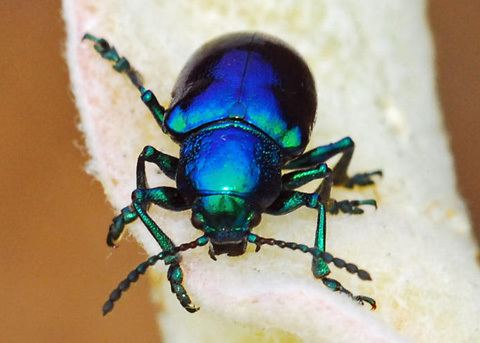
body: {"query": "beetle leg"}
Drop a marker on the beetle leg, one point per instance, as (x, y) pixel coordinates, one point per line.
(168, 198)
(175, 276)
(336, 286)
(122, 65)
(346, 206)
(165, 197)
(299, 178)
(349, 206)
(321, 154)
(289, 201)
(320, 200)
(117, 227)
(167, 164)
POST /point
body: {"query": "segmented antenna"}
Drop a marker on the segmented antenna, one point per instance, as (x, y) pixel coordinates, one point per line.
(142, 268)
(134, 275)
(315, 252)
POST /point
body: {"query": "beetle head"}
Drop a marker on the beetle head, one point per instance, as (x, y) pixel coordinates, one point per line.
(226, 220)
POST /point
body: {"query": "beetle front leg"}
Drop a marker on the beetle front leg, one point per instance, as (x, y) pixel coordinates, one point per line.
(122, 65)
(175, 277)
(168, 198)
(165, 197)
(116, 229)
(336, 286)
(289, 201)
(321, 154)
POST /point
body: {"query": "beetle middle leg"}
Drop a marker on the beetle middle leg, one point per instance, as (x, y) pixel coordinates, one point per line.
(321, 154)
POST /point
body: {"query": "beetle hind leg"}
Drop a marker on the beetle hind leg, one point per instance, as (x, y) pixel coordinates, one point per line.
(122, 65)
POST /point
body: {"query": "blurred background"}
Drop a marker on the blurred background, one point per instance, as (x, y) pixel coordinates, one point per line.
(55, 269)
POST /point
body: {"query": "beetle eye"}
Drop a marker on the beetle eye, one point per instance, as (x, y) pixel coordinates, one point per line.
(197, 221)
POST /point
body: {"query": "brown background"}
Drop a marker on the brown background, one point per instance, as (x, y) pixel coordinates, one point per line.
(55, 269)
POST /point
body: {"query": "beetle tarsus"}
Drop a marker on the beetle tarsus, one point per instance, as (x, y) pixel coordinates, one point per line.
(175, 276)
(211, 253)
(362, 298)
(362, 179)
(336, 286)
(349, 206)
(117, 227)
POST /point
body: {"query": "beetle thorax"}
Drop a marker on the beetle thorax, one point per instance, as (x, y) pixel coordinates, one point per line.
(230, 158)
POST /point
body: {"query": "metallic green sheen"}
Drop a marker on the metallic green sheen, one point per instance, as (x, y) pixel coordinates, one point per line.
(319, 267)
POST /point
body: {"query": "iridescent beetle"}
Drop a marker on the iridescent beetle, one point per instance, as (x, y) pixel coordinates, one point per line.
(242, 111)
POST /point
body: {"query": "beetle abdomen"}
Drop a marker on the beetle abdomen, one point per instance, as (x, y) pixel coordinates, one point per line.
(251, 77)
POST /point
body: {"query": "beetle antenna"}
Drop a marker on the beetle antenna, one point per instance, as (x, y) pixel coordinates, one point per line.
(315, 252)
(142, 268)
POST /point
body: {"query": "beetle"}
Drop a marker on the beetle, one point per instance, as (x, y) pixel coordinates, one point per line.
(242, 111)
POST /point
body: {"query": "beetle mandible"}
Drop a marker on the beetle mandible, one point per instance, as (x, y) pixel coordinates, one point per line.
(242, 111)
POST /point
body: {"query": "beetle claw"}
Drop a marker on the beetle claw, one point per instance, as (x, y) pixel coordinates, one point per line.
(362, 179)
(211, 253)
(191, 308)
(362, 298)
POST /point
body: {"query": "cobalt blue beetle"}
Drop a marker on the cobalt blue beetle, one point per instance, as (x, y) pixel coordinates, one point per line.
(242, 112)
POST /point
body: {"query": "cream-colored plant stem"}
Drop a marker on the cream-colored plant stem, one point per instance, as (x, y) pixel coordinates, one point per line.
(373, 65)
